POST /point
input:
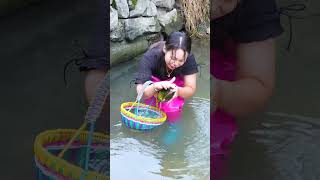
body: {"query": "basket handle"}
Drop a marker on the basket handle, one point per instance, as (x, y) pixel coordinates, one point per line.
(144, 86)
(139, 96)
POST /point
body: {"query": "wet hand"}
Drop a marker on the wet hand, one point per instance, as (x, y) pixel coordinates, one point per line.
(164, 85)
(174, 90)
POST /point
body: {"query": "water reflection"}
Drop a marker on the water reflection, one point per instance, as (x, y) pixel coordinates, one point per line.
(279, 146)
(291, 144)
(172, 151)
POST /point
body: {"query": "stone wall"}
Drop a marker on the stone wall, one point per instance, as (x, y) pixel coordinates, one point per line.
(140, 22)
(128, 21)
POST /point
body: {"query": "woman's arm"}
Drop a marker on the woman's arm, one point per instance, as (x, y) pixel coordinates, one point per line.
(148, 92)
(255, 79)
(190, 84)
(186, 92)
(155, 87)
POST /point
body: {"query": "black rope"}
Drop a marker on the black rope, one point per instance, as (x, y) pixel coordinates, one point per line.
(132, 81)
(294, 8)
(286, 11)
(76, 61)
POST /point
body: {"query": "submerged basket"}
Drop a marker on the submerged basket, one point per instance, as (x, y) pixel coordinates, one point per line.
(141, 116)
(147, 117)
(49, 143)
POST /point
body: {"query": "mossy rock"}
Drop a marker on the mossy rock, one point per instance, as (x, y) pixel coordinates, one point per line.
(125, 51)
(114, 5)
(134, 2)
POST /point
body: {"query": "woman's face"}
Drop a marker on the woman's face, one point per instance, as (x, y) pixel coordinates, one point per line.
(175, 58)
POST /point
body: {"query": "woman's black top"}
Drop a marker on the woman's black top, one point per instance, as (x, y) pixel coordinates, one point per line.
(153, 64)
(251, 20)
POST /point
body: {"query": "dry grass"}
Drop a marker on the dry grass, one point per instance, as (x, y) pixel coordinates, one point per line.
(196, 12)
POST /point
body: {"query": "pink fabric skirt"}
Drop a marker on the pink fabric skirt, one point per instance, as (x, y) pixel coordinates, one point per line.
(223, 127)
(173, 108)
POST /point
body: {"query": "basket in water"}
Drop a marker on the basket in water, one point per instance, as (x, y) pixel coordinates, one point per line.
(141, 116)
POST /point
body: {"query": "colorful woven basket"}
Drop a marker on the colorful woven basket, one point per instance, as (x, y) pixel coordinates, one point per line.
(49, 143)
(73, 154)
(147, 117)
(141, 116)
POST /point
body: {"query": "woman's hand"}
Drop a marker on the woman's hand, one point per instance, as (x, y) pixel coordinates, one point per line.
(174, 90)
(155, 87)
(164, 85)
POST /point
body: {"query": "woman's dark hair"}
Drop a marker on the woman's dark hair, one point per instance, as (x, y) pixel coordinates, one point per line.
(178, 40)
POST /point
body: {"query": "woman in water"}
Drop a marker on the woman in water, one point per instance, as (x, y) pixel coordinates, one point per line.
(170, 65)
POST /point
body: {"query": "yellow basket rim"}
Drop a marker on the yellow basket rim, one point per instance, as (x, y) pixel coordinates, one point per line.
(143, 119)
(56, 163)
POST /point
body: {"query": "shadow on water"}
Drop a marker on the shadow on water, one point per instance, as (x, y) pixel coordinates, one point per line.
(176, 151)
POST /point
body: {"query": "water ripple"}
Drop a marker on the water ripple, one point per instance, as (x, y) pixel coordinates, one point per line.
(292, 144)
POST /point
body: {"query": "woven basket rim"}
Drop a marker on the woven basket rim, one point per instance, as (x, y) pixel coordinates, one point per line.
(57, 164)
(131, 115)
(143, 122)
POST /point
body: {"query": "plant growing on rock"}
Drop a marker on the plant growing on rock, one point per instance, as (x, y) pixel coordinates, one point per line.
(197, 13)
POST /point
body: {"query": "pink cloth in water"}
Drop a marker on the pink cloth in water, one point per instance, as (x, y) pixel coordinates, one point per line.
(223, 127)
(172, 108)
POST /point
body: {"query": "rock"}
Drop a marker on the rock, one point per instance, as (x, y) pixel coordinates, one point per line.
(123, 51)
(152, 38)
(140, 8)
(113, 18)
(161, 11)
(178, 4)
(151, 10)
(123, 8)
(118, 34)
(138, 26)
(175, 25)
(168, 17)
(164, 3)
(130, 4)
